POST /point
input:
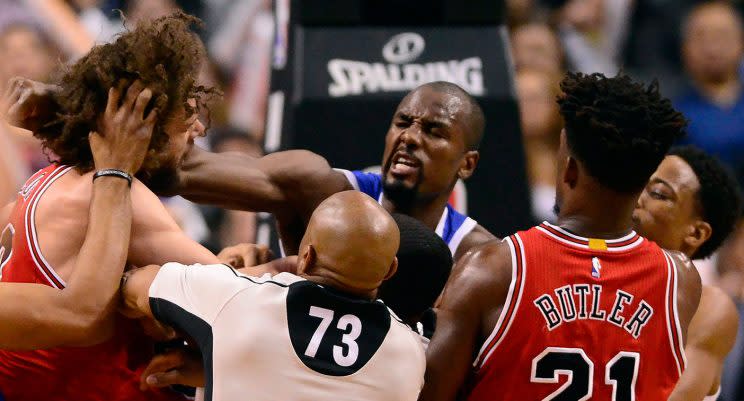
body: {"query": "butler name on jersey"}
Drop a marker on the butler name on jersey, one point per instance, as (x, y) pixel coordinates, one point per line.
(571, 302)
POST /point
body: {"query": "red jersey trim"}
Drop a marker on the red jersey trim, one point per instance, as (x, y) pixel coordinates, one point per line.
(31, 237)
(513, 298)
(624, 243)
(674, 329)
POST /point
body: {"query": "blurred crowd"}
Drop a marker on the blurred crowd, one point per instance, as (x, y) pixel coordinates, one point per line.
(694, 48)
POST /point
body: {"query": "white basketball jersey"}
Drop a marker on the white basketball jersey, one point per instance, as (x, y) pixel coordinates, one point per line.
(286, 338)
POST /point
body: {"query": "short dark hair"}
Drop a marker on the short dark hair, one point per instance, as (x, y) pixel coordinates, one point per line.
(719, 197)
(476, 120)
(619, 129)
(424, 265)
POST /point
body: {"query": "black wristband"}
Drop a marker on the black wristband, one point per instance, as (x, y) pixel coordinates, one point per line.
(110, 172)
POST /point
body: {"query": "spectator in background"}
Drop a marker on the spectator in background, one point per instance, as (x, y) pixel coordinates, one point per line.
(593, 33)
(25, 50)
(541, 127)
(536, 46)
(712, 51)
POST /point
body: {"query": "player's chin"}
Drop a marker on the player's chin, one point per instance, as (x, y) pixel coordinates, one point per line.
(402, 182)
(640, 220)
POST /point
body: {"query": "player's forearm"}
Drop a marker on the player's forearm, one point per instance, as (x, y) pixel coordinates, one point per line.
(694, 385)
(102, 258)
(35, 316)
(232, 181)
(135, 292)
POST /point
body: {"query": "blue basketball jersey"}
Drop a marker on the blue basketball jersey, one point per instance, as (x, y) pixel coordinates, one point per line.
(452, 227)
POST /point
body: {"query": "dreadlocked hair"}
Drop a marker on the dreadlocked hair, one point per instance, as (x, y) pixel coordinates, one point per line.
(164, 54)
(618, 128)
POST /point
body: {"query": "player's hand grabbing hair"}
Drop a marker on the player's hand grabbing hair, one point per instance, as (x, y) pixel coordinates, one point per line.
(125, 131)
(28, 104)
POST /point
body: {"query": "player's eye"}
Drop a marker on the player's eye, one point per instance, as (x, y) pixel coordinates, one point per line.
(657, 195)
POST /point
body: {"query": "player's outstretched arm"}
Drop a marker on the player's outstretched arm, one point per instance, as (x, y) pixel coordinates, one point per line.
(288, 184)
(476, 289)
(37, 316)
(710, 337)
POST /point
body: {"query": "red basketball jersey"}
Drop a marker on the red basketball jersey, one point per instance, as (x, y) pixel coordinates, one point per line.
(105, 372)
(584, 319)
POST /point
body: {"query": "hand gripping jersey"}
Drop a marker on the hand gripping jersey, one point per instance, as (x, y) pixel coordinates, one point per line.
(105, 372)
(452, 227)
(286, 338)
(584, 319)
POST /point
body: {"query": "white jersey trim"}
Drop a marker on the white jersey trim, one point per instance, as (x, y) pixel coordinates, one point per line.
(349, 177)
(506, 307)
(671, 286)
(581, 246)
(466, 228)
(678, 326)
(31, 235)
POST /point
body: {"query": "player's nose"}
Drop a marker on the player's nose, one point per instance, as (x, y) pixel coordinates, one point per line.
(412, 135)
(198, 129)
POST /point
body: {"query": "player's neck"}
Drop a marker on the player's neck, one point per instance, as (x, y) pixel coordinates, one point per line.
(598, 217)
(427, 211)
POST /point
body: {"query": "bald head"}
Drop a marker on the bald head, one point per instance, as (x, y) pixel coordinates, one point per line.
(462, 106)
(350, 244)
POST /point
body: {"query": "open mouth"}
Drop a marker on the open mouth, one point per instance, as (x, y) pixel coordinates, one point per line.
(403, 164)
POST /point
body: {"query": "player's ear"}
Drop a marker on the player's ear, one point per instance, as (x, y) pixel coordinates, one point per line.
(570, 171)
(306, 260)
(468, 164)
(699, 232)
(393, 268)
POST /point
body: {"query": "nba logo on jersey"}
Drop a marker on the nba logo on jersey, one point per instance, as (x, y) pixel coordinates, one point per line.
(596, 267)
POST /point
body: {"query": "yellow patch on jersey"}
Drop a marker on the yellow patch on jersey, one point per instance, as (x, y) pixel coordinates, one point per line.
(597, 244)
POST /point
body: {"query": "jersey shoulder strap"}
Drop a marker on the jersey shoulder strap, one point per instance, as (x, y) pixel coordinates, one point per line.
(369, 183)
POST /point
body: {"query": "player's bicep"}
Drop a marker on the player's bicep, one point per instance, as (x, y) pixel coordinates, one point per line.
(477, 285)
(449, 356)
(156, 237)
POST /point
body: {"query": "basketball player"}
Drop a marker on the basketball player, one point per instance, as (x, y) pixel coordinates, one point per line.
(317, 335)
(49, 218)
(432, 142)
(586, 308)
(691, 204)
(39, 316)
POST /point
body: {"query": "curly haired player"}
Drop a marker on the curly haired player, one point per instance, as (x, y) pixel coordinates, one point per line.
(157, 62)
(586, 308)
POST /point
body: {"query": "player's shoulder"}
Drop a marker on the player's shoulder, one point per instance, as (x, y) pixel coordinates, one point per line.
(716, 315)
(483, 267)
(715, 324)
(685, 268)
(478, 236)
